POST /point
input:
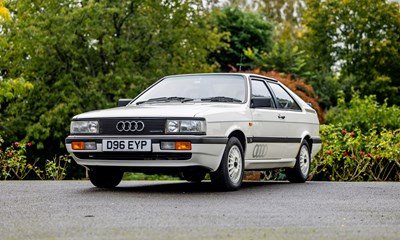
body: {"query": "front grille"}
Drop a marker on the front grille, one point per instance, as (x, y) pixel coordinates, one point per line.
(151, 126)
(133, 156)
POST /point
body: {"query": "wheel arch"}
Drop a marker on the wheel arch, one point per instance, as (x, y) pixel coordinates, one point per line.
(241, 137)
(309, 140)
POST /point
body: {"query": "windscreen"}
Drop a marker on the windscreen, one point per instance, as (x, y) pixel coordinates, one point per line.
(218, 88)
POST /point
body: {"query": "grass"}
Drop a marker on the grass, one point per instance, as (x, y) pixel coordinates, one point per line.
(128, 176)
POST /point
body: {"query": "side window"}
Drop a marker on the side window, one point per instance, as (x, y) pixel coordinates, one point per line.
(284, 100)
(260, 94)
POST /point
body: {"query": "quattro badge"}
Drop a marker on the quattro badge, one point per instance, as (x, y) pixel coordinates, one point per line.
(260, 150)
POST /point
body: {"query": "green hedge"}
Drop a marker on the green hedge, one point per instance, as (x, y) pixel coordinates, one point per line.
(364, 113)
(357, 155)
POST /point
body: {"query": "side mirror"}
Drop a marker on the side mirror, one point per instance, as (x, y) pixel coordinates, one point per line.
(123, 102)
(261, 103)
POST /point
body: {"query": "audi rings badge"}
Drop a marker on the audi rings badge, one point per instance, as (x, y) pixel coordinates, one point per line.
(130, 126)
(260, 150)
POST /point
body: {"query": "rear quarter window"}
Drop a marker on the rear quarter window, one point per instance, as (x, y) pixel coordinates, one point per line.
(283, 98)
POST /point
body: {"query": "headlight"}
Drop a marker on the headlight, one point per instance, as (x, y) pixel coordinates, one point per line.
(84, 127)
(185, 126)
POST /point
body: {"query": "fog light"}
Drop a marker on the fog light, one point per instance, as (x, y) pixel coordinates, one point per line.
(176, 146)
(167, 145)
(90, 146)
(84, 146)
(183, 146)
(78, 145)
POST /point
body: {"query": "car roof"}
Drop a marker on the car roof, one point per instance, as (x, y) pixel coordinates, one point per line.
(240, 74)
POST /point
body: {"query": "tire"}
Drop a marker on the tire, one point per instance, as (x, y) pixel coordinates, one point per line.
(105, 177)
(299, 173)
(229, 175)
(194, 175)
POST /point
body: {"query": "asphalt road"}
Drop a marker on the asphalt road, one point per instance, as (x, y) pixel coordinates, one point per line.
(180, 210)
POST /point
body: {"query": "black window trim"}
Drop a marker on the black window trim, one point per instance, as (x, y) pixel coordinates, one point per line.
(276, 100)
(265, 81)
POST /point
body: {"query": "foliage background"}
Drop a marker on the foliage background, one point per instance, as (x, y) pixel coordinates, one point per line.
(358, 155)
(59, 58)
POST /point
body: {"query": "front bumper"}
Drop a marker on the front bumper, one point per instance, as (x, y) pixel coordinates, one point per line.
(206, 152)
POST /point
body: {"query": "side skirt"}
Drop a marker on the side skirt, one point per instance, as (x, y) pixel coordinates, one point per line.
(268, 164)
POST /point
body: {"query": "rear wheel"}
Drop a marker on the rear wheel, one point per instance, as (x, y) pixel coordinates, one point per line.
(105, 177)
(229, 175)
(300, 171)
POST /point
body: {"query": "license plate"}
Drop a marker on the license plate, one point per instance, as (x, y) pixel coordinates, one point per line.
(137, 145)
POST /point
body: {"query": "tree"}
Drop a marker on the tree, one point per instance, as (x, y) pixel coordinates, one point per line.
(278, 11)
(4, 12)
(359, 41)
(285, 15)
(283, 12)
(84, 55)
(285, 57)
(11, 90)
(247, 30)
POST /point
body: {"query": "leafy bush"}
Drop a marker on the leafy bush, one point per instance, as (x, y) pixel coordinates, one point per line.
(363, 113)
(357, 155)
(14, 164)
(55, 169)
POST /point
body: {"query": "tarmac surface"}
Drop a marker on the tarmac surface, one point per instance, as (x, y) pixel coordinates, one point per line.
(181, 210)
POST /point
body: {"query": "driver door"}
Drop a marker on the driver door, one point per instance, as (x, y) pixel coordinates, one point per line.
(267, 125)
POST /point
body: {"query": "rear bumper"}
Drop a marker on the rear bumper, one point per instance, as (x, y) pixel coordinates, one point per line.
(206, 152)
(316, 146)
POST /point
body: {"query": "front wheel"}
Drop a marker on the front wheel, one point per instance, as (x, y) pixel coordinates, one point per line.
(105, 177)
(300, 171)
(229, 175)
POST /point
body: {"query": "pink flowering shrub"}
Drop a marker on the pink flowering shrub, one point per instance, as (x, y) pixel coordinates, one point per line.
(354, 155)
(15, 166)
(13, 162)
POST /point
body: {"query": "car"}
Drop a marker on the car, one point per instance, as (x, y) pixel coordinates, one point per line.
(218, 123)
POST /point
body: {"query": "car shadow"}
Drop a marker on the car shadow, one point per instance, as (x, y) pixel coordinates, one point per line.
(160, 187)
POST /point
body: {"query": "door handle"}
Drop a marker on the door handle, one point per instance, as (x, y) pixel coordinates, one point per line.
(281, 116)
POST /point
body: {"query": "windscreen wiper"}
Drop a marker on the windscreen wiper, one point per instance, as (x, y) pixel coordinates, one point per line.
(166, 99)
(220, 99)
